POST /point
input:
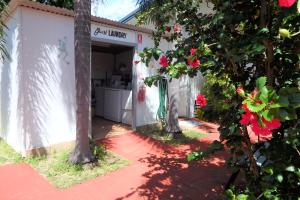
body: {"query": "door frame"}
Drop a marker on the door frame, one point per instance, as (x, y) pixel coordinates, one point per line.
(134, 74)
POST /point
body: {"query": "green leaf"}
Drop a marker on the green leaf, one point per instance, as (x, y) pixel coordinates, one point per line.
(264, 94)
(230, 194)
(283, 101)
(284, 33)
(298, 6)
(268, 115)
(279, 178)
(268, 170)
(261, 82)
(254, 107)
(294, 100)
(256, 48)
(290, 168)
(287, 114)
(197, 155)
(192, 156)
(173, 72)
(264, 30)
(242, 197)
(180, 66)
(288, 91)
(156, 53)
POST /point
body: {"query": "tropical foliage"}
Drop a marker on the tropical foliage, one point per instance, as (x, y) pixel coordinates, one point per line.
(3, 51)
(254, 48)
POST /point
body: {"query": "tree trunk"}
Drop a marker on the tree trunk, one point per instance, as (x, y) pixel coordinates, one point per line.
(82, 36)
(265, 19)
(172, 118)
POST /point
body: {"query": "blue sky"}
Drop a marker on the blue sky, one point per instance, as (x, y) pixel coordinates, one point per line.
(114, 9)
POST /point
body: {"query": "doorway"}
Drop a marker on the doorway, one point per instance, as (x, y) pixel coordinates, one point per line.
(111, 79)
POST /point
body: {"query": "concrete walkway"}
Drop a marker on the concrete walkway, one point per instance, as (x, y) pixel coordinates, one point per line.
(157, 171)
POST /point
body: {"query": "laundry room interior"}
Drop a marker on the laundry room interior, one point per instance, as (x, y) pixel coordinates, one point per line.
(111, 98)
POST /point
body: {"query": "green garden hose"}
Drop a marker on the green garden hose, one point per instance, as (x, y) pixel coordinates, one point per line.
(162, 112)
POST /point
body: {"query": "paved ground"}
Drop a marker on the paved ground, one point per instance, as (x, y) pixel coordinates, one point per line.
(158, 171)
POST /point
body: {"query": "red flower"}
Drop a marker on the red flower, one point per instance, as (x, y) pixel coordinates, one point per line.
(195, 63)
(136, 62)
(177, 28)
(273, 124)
(240, 89)
(168, 28)
(286, 3)
(248, 117)
(244, 106)
(263, 129)
(201, 100)
(163, 61)
(193, 51)
(258, 130)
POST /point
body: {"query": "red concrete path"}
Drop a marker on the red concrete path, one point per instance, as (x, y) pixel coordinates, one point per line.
(158, 171)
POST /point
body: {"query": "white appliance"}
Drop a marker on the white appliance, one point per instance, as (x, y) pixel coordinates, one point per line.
(112, 104)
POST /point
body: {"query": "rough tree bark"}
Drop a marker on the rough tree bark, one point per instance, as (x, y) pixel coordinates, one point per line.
(82, 37)
(172, 115)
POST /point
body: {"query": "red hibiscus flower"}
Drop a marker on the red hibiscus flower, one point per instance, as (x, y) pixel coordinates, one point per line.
(264, 129)
(195, 63)
(168, 29)
(286, 3)
(258, 130)
(273, 124)
(163, 61)
(244, 106)
(247, 117)
(201, 100)
(193, 51)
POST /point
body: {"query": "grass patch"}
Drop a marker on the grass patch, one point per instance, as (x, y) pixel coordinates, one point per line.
(62, 174)
(187, 136)
(8, 155)
(58, 171)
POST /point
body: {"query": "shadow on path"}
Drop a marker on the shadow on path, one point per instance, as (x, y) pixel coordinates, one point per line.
(170, 176)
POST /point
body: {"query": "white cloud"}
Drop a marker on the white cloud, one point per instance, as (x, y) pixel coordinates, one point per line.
(114, 9)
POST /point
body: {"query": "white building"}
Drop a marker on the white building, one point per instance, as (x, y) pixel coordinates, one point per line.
(37, 88)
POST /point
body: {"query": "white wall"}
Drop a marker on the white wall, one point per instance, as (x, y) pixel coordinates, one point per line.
(38, 85)
(188, 90)
(102, 63)
(10, 119)
(147, 110)
(48, 83)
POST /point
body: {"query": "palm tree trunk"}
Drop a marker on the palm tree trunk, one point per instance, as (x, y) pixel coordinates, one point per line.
(82, 38)
(172, 118)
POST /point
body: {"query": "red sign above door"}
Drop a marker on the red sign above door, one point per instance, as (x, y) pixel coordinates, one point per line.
(140, 38)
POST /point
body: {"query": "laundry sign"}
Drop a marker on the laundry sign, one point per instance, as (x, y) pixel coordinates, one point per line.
(111, 33)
